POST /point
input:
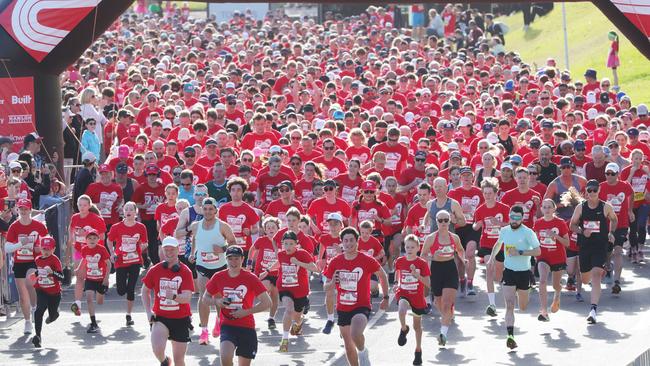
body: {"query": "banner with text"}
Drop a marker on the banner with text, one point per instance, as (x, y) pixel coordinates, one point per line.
(17, 116)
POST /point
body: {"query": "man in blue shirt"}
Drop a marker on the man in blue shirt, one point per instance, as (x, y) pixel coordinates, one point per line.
(520, 244)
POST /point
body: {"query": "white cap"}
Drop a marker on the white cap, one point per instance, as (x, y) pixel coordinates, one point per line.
(14, 164)
(452, 146)
(464, 122)
(343, 135)
(88, 156)
(335, 216)
(642, 110)
(515, 68)
(403, 140)
(230, 84)
(161, 66)
(12, 157)
(183, 134)
(120, 66)
(613, 167)
(409, 117)
(592, 113)
(506, 164)
(220, 107)
(166, 124)
(492, 137)
(319, 124)
(581, 133)
(170, 241)
(275, 149)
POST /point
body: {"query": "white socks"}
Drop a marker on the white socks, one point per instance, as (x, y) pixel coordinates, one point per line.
(491, 298)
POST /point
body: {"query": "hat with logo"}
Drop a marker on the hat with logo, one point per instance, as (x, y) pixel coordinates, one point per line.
(334, 216)
(48, 242)
(151, 169)
(170, 242)
(234, 251)
(369, 186)
(612, 167)
(24, 203)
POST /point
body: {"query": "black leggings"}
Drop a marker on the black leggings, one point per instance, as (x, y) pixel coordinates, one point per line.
(638, 227)
(152, 234)
(126, 279)
(45, 301)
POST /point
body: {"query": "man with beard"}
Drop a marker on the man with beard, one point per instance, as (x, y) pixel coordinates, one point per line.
(520, 243)
(549, 170)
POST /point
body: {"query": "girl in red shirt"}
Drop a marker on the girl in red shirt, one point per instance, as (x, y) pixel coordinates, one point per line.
(48, 286)
(371, 246)
(553, 236)
(264, 254)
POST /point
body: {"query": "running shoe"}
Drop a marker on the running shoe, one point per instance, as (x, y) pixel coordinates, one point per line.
(166, 362)
(579, 297)
(204, 338)
(591, 319)
(401, 340)
(92, 328)
(491, 310)
(296, 329)
(510, 343)
(51, 318)
(428, 309)
(28, 327)
(616, 289)
(216, 331)
(75, 309)
(418, 358)
(284, 345)
(470, 290)
(129, 321)
(364, 357)
(463, 288)
(608, 278)
(271, 323)
(555, 305)
(543, 317)
(442, 340)
(36, 341)
(328, 327)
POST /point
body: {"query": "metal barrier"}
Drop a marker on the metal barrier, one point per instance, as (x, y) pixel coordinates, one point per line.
(642, 360)
(56, 219)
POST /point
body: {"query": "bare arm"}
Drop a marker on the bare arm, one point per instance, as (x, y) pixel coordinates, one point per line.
(575, 220)
(226, 231)
(458, 213)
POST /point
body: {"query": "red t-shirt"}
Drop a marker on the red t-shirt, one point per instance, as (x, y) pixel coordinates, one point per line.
(107, 199)
(304, 193)
(128, 242)
(45, 282)
(362, 153)
(353, 287)
(167, 163)
(333, 168)
(366, 210)
(304, 241)
(259, 144)
(293, 278)
(348, 188)
(639, 180)
(619, 196)
(160, 280)
(330, 246)
(396, 156)
(33, 233)
(81, 225)
(278, 209)
(410, 286)
(469, 200)
(266, 183)
(95, 258)
(239, 218)
(415, 220)
(241, 290)
(145, 195)
(267, 255)
(525, 200)
(490, 232)
(552, 251)
(372, 247)
(164, 213)
(319, 209)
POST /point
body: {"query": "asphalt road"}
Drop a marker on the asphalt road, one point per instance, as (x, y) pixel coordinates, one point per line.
(621, 334)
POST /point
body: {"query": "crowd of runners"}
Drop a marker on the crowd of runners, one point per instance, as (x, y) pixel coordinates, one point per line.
(248, 161)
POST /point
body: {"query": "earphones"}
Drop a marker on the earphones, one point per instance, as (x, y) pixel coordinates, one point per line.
(174, 268)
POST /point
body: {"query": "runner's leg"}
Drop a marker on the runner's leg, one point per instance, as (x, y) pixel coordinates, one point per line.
(159, 335)
(543, 269)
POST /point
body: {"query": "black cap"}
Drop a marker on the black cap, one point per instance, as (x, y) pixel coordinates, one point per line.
(234, 250)
(122, 168)
(286, 183)
(592, 183)
(566, 161)
(330, 182)
(290, 235)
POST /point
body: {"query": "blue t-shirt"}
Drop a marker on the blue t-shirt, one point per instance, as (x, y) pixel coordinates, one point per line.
(188, 195)
(523, 238)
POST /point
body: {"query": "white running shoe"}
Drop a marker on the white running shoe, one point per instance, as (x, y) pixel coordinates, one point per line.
(28, 327)
(592, 317)
(364, 357)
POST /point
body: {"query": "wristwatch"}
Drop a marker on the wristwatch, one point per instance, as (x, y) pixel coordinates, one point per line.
(521, 252)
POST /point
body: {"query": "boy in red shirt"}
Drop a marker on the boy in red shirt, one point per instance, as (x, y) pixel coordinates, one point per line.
(48, 287)
(96, 263)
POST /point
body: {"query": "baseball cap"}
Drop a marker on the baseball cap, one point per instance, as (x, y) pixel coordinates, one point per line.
(633, 131)
(230, 85)
(420, 154)
(210, 141)
(455, 154)
(338, 115)
(169, 241)
(369, 185)
(48, 242)
(234, 250)
(188, 88)
(334, 216)
(15, 165)
(506, 165)
(465, 170)
(448, 126)
(642, 110)
(88, 156)
(104, 168)
(275, 149)
(189, 149)
(613, 167)
(579, 145)
(487, 127)
(24, 203)
(547, 124)
(123, 151)
(590, 73)
(464, 122)
(166, 124)
(32, 137)
(403, 140)
(516, 159)
(604, 98)
(91, 231)
(566, 161)
(151, 169)
(122, 168)
(592, 183)
(286, 183)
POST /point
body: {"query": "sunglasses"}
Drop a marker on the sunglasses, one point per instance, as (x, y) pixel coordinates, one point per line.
(592, 190)
(432, 175)
(611, 174)
(295, 163)
(232, 103)
(566, 167)
(329, 188)
(443, 221)
(200, 194)
(189, 155)
(284, 190)
(177, 173)
(369, 192)
(18, 170)
(544, 98)
(247, 160)
(296, 138)
(186, 184)
(328, 148)
(533, 173)
(421, 160)
(515, 216)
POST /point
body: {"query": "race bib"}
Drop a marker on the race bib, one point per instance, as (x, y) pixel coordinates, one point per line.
(546, 239)
(348, 282)
(209, 257)
(408, 281)
(168, 286)
(268, 259)
(289, 275)
(594, 226)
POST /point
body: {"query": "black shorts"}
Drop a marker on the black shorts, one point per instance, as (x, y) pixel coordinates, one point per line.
(571, 253)
(592, 255)
(620, 236)
(272, 279)
(190, 265)
(554, 267)
(208, 273)
(467, 234)
(20, 269)
(482, 252)
(179, 329)
(244, 339)
(519, 279)
(443, 275)
(298, 303)
(345, 317)
(414, 310)
(93, 286)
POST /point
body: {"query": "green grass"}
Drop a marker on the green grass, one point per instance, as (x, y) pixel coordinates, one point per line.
(587, 29)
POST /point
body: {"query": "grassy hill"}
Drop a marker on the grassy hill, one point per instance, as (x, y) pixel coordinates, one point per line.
(588, 46)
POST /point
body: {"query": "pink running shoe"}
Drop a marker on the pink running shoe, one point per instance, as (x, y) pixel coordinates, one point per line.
(216, 331)
(204, 339)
